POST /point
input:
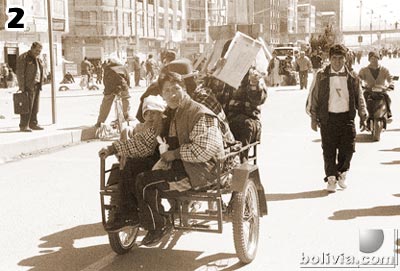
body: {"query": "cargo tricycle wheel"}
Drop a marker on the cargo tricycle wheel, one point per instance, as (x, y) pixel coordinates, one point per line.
(123, 240)
(246, 222)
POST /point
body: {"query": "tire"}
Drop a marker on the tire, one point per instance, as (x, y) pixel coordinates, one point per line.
(246, 222)
(122, 241)
(63, 88)
(377, 130)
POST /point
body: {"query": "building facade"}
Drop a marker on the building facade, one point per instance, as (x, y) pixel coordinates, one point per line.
(267, 13)
(306, 19)
(14, 43)
(201, 14)
(123, 29)
(288, 20)
(335, 6)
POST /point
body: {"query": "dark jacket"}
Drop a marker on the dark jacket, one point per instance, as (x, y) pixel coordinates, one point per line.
(319, 99)
(116, 79)
(26, 71)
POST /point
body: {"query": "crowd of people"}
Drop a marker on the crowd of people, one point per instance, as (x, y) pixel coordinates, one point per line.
(201, 120)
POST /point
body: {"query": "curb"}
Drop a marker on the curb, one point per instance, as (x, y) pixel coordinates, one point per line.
(57, 138)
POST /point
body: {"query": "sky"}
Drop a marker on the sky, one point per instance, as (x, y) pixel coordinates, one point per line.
(351, 18)
(386, 8)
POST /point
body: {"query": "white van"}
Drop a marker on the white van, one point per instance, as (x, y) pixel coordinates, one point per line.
(283, 52)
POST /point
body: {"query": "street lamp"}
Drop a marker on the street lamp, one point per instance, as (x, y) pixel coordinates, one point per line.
(360, 37)
(370, 24)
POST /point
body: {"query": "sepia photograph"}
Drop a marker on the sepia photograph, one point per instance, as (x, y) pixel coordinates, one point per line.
(199, 135)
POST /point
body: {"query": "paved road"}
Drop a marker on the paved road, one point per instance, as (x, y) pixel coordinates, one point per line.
(51, 216)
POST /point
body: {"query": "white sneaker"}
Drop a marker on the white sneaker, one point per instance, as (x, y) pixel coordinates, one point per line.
(331, 187)
(342, 180)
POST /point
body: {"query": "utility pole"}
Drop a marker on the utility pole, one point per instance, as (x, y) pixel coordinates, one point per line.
(52, 70)
(309, 20)
(136, 30)
(370, 25)
(360, 37)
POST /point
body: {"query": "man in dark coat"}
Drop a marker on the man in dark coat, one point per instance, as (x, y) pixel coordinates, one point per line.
(116, 82)
(30, 79)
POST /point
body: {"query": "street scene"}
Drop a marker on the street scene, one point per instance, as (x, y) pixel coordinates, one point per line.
(234, 149)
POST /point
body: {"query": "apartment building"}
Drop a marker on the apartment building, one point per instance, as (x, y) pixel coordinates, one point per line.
(335, 6)
(306, 19)
(288, 20)
(267, 13)
(100, 29)
(201, 14)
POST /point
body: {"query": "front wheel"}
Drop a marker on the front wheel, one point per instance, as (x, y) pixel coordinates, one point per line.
(122, 241)
(246, 222)
(377, 130)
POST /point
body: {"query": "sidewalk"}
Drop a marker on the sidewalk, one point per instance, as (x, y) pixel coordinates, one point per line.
(76, 113)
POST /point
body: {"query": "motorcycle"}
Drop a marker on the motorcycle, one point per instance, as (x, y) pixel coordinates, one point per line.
(377, 109)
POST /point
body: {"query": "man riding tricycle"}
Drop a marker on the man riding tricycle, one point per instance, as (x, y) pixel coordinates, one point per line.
(197, 172)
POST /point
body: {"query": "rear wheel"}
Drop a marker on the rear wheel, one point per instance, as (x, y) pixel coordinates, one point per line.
(246, 222)
(123, 240)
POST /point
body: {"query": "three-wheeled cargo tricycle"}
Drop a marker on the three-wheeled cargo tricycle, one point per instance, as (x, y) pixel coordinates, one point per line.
(237, 196)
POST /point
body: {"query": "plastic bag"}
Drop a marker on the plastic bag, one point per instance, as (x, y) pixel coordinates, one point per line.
(161, 164)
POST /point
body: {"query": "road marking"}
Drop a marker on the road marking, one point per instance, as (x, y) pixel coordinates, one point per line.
(107, 260)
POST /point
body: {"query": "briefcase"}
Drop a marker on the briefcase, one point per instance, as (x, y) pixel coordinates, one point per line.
(21, 102)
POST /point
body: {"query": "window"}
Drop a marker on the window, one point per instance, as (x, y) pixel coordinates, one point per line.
(161, 21)
(196, 25)
(150, 22)
(140, 21)
(83, 18)
(125, 25)
(92, 18)
(108, 17)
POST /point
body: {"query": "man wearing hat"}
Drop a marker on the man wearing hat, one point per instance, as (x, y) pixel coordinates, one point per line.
(184, 68)
(168, 56)
(116, 82)
(194, 139)
(334, 99)
(140, 149)
(375, 74)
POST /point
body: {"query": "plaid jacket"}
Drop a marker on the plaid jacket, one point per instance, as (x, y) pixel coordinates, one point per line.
(247, 99)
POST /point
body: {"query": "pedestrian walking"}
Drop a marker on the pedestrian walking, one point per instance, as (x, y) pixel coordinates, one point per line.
(303, 64)
(86, 71)
(316, 61)
(334, 99)
(151, 66)
(4, 73)
(116, 82)
(99, 72)
(136, 69)
(30, 79)
(274, 67)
